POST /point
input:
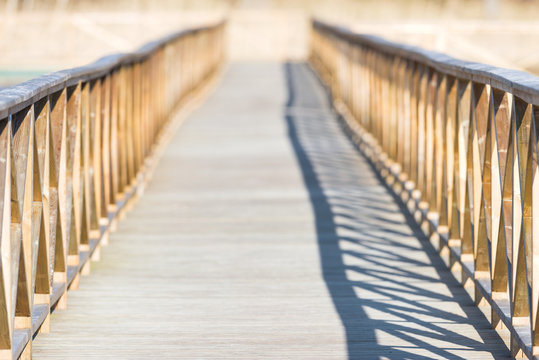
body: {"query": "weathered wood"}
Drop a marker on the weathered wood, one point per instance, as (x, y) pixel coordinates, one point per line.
(478, 208)
(67, 145)
(265, 234)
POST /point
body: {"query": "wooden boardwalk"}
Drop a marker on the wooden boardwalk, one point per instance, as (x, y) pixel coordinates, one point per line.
(265, 235)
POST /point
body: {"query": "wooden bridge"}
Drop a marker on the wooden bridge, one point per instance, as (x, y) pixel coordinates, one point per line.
(387, 214)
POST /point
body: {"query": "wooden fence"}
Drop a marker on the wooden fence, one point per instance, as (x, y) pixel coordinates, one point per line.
(458, 142)
(75, 147)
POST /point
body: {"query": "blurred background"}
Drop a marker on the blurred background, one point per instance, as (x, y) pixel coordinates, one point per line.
(40, 36)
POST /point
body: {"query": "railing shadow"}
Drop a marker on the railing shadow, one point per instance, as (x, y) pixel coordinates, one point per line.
(372, 255)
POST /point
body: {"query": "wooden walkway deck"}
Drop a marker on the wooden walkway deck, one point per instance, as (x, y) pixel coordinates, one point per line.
(265, 235)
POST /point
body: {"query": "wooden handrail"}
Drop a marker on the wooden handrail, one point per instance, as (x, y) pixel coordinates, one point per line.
(458, 142)
(75, 148)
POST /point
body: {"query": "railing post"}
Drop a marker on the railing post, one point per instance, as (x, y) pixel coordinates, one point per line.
(458, 143)
(74, 150)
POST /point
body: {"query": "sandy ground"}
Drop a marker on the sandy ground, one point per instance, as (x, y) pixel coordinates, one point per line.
(48, 35)
(49, 42)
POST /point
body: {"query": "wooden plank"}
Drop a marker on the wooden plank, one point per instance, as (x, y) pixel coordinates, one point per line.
(268, 236)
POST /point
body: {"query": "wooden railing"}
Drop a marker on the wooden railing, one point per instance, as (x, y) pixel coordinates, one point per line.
(458, 142)
(75, 147)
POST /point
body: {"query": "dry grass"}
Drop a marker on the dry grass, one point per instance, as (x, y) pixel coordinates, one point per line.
(501, 33)
(45, 35)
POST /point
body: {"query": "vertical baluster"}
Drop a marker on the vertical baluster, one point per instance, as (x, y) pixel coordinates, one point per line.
(41, 274)
(74, 182)
(7, 264)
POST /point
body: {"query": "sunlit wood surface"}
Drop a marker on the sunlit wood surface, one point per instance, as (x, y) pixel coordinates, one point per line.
(458, 142)
(76, 148)
(265, 235)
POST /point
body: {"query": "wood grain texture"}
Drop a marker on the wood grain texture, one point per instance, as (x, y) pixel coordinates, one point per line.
(487, 132)
(56, 212)
(265, 235)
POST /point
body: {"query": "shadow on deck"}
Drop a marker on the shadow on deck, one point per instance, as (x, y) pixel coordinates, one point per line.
(395, 297)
